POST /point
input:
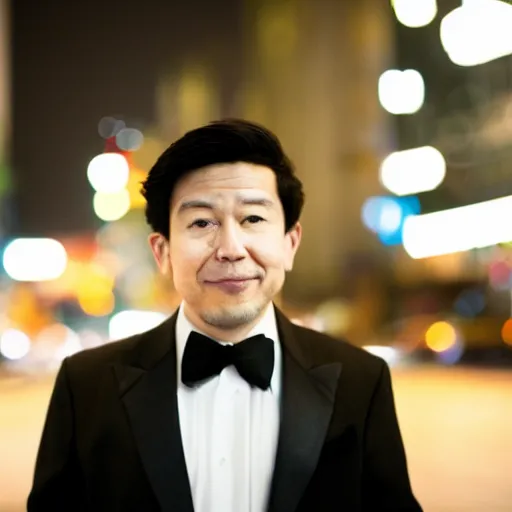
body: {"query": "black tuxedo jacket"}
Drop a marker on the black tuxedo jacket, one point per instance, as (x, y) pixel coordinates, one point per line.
(112, 441)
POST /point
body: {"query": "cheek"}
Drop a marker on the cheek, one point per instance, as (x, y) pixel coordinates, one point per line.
(187, 257)
(269, 252)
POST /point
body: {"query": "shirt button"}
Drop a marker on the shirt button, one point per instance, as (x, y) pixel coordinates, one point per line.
(222, 461)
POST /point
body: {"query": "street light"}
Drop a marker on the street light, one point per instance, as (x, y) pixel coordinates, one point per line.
(458, 229)
(412, 171)
(108, 173)
(414, 13)
(477, 32)
(401, 92)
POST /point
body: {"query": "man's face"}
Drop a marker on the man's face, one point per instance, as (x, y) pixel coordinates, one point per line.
(227, 251)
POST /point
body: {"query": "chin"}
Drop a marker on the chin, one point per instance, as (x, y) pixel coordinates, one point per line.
(231, 316)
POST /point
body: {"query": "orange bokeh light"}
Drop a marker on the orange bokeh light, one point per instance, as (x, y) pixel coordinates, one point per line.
(506, 332)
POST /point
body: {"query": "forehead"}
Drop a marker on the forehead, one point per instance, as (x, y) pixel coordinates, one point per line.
(225, 180)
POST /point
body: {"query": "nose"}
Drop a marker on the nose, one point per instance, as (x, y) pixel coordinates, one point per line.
(230, 244)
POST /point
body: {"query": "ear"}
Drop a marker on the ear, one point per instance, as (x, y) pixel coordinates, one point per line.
(292, 242)
(160, 248)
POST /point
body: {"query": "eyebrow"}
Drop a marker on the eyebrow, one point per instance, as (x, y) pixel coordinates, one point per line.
(246, 201)
(196, 203)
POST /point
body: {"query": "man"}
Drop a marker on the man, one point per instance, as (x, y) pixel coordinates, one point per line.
(226, 406)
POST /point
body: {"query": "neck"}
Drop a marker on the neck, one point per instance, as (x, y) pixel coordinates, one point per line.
(234, 335)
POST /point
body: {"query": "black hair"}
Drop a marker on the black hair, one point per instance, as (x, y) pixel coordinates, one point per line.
(224, 141)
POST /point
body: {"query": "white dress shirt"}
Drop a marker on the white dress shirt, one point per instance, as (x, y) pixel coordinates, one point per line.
(229, 431)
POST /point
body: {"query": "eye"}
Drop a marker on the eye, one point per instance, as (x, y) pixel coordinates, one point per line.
(254, 219)
(200, 223)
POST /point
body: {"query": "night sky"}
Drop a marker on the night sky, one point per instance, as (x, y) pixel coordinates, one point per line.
(76, 62)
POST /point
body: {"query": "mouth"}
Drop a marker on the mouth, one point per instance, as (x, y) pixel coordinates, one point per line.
(231, 280)
(232, 284)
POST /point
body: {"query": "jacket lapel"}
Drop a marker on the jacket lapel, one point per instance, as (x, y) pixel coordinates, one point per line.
(147, 385)
(308, 395)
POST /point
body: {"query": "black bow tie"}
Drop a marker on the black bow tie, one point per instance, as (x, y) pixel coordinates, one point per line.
(203, 358)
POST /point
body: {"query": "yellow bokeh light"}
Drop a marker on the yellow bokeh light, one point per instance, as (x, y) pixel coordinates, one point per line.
(110, 207)
(26, 312)
(67, 282)
(506, 332)
(94, 291)
(95, 280)
(97, 305)
(440, 336)
(134, 185)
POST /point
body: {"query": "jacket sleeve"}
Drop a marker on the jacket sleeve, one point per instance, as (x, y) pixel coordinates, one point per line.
(386, 484)
(58, 484)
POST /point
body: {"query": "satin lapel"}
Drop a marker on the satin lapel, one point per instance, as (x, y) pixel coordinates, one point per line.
(148, 388)
(308, 396)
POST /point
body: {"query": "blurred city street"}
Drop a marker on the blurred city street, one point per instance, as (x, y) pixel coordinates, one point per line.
(398, 122)
(456, 423)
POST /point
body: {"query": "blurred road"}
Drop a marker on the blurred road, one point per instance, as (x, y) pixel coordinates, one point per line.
(456, 423)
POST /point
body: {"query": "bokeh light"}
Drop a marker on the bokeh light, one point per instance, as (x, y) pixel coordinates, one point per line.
(385, 216)
(401, 92)
(389, 354)
(470, 303)
(60, 340)
(459, 229)
(110, 207)
(90, 339)
(134, 188)
(129, 139)
(14, 344)
(500, 274)
(506, 332)
(452, 354)
(34, 259)
(440, 336)
(415, 13)
(94, 291)
(131, 322)
(97, 304)
(110, 127)
(381, 214)
(490, 20)
(108, 173)
(413, 170)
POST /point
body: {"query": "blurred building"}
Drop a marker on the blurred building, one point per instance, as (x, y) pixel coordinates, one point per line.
(311, 75)
(308, 69)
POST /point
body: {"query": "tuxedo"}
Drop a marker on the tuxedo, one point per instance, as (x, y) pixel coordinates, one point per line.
(112, 439)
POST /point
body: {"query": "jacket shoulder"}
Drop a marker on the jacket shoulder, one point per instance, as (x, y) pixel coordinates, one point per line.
(322, 348)
(111, 352)
(140, 349)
